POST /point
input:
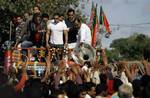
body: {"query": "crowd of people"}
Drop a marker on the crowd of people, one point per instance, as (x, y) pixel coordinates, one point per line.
(66, 78)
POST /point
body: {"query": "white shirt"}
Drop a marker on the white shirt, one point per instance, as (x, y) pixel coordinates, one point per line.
(87, 96)
(56, 29)
(84, 34)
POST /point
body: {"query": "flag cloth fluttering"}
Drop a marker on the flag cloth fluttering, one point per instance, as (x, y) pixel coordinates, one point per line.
(95, 26)
(103, 21)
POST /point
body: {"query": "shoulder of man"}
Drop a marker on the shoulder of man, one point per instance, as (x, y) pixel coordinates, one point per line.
(68, 23)
(50, 21)
(66, 20)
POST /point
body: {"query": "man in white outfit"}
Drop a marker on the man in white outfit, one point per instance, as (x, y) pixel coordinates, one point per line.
(54, 35)
(84, 32)
(84, 36)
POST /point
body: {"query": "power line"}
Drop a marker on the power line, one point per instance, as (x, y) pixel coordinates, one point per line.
(138, 24)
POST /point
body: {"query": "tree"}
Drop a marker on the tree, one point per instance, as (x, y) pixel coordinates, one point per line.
(113, 55)
(48, 6)
(133, 47)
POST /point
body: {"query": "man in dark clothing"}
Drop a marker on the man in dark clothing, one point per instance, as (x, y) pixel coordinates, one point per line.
(72, 33)
(21, 31)
(37, 30)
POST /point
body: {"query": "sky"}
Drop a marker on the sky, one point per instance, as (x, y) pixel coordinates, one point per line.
(125, 17)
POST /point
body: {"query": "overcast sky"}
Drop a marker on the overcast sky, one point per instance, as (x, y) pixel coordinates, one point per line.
(125, 13)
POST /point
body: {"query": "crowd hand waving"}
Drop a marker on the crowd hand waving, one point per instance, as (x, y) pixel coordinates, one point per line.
(24, 77)
(127, 71)
(134, 69)
(145, 63)
(125, 65)
(132, 72)
(80, 61)
(48, 66)
(32, 68)
(86, 75)
(62, 66)
(146, 66)
(24, 65)
(107, 71)
(34, 73)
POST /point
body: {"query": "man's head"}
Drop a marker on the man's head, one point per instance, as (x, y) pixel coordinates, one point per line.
(26, 15)
(91, 89)
(37, 18)
(19, 19)
(33, 88)
(8, 92)
(125, 91)
(77, 22)
(101, 89)
(36, 9)
(71, 14)
(14, 19)
(61, 18)
(82, 91)
(116, 84)
(45, 17)
(56, 17)
(58, 94)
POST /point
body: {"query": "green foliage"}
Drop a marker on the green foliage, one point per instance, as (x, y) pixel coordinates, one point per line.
(113, 55)
(47, 6)
(132, 48)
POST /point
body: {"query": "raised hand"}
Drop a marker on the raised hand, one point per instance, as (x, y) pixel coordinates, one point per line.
(145, 63)
(146, 66)
(48, 66)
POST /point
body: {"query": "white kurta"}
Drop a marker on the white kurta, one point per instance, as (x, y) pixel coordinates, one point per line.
(84, 34)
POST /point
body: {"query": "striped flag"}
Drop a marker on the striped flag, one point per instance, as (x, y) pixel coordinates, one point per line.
(103, 21)
(95, 27)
